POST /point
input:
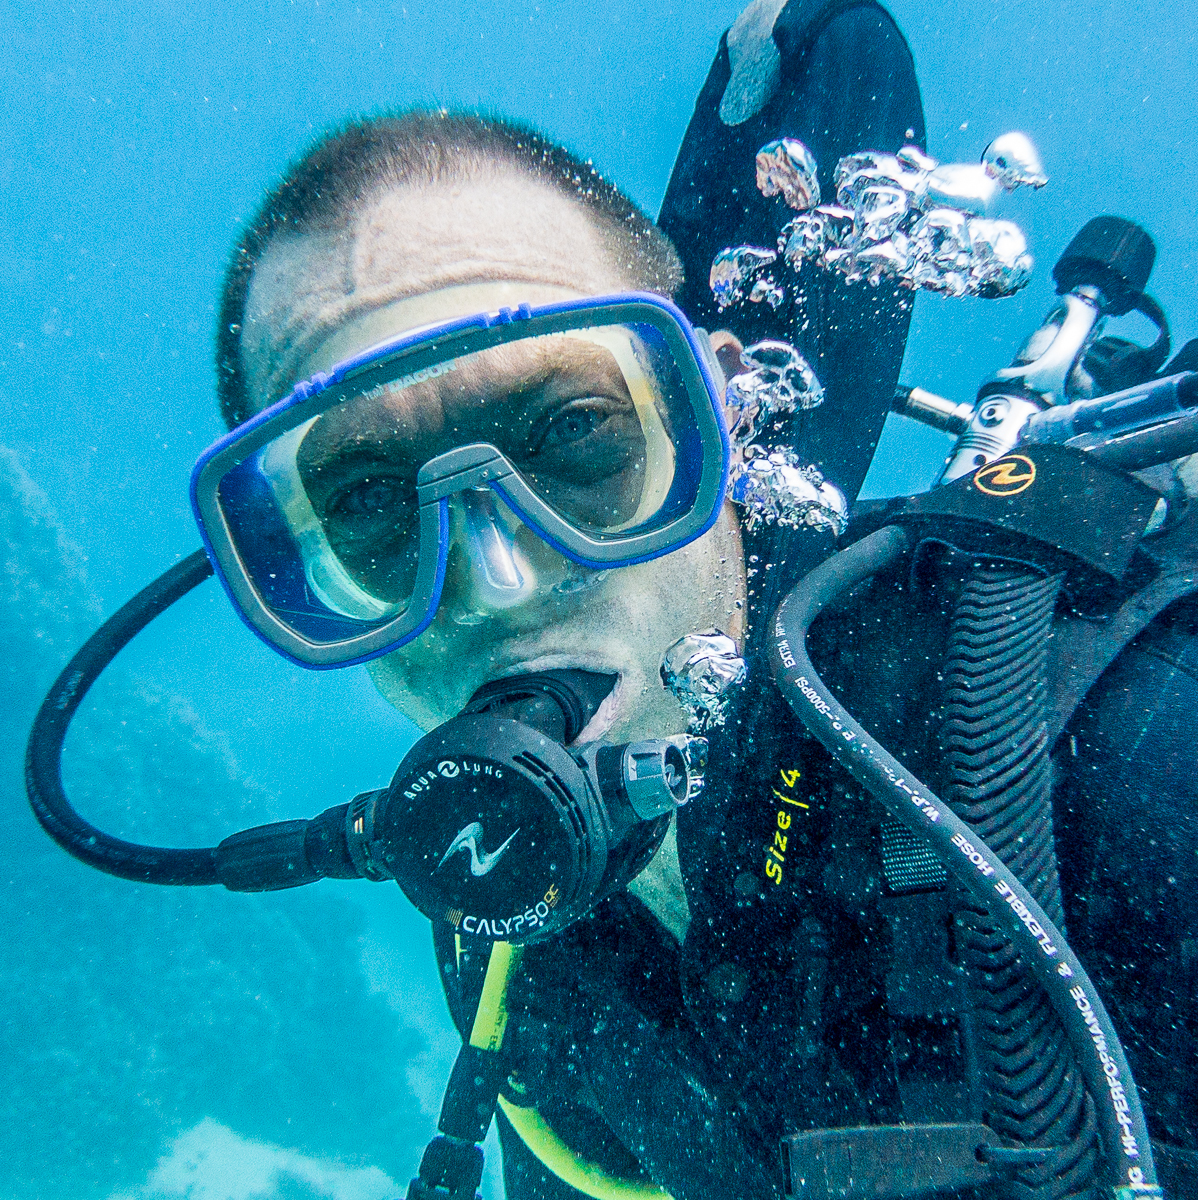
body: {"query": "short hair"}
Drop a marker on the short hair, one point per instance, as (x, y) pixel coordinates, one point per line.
(348, 167)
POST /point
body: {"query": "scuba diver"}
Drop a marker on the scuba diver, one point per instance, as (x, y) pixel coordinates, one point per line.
(856, 940)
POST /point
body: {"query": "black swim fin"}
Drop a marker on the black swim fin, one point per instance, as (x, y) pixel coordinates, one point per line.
(837, 75)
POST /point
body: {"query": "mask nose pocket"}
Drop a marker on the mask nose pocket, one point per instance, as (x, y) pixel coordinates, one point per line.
(500, 574)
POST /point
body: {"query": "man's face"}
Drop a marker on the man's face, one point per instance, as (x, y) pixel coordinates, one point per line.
(561, 410)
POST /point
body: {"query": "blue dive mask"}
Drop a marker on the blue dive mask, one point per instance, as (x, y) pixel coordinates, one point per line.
(594, 424)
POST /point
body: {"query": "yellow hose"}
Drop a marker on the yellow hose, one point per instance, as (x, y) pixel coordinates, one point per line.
(569, 1167)
(490, 1023)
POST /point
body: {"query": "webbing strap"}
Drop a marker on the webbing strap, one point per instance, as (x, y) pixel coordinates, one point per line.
(1082, 650)
(908, 862)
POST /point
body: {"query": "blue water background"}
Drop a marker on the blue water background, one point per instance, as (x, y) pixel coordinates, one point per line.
(139, 136)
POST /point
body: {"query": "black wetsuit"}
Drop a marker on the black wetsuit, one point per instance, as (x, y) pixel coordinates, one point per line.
(781, 1012)
(810, 992)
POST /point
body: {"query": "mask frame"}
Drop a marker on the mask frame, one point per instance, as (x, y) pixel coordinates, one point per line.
(701, 474)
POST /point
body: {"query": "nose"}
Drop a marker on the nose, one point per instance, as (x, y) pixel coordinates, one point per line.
(499, 574)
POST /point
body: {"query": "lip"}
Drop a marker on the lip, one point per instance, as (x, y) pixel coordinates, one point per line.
(609, 711)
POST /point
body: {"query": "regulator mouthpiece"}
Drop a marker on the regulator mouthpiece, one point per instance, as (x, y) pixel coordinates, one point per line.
(496, 827)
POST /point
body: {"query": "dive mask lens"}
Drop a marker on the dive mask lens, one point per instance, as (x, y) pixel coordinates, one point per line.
(595, 423)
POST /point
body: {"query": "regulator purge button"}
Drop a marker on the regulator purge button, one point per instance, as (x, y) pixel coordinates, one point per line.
(654, 776)
(490, 825)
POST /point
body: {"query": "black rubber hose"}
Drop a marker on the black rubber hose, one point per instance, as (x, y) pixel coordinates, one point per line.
(1091, 1033)
(1148, 447)
(43, 755)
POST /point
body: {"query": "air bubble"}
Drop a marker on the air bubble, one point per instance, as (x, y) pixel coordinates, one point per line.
(786, 168)
(734, 270)
(774, 487)
(903, 217)
(700, 670)
(778, 380)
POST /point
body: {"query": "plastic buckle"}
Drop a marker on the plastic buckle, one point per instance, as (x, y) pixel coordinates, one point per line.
(449, 1170)
(878, 1162)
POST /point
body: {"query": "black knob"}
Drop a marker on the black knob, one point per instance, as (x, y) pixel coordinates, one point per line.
(1112, 254)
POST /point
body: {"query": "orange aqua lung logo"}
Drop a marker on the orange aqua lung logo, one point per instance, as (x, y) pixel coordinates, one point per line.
(1007, 477)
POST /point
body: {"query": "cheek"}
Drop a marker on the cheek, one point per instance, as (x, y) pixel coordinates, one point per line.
(394, 683)
(648, 607)
(627, 621)
(702, 584)
(425, 680)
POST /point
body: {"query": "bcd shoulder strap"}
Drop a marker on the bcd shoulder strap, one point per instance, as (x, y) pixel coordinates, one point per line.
(1083, 648)
(1062, 510)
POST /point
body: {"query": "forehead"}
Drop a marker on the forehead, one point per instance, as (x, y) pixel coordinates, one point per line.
(315, 294)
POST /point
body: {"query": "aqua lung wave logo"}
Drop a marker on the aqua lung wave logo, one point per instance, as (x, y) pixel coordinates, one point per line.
(1007, 477)
(469, 839)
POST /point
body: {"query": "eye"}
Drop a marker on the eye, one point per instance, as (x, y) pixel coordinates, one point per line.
(370, 497)
(576, 421)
